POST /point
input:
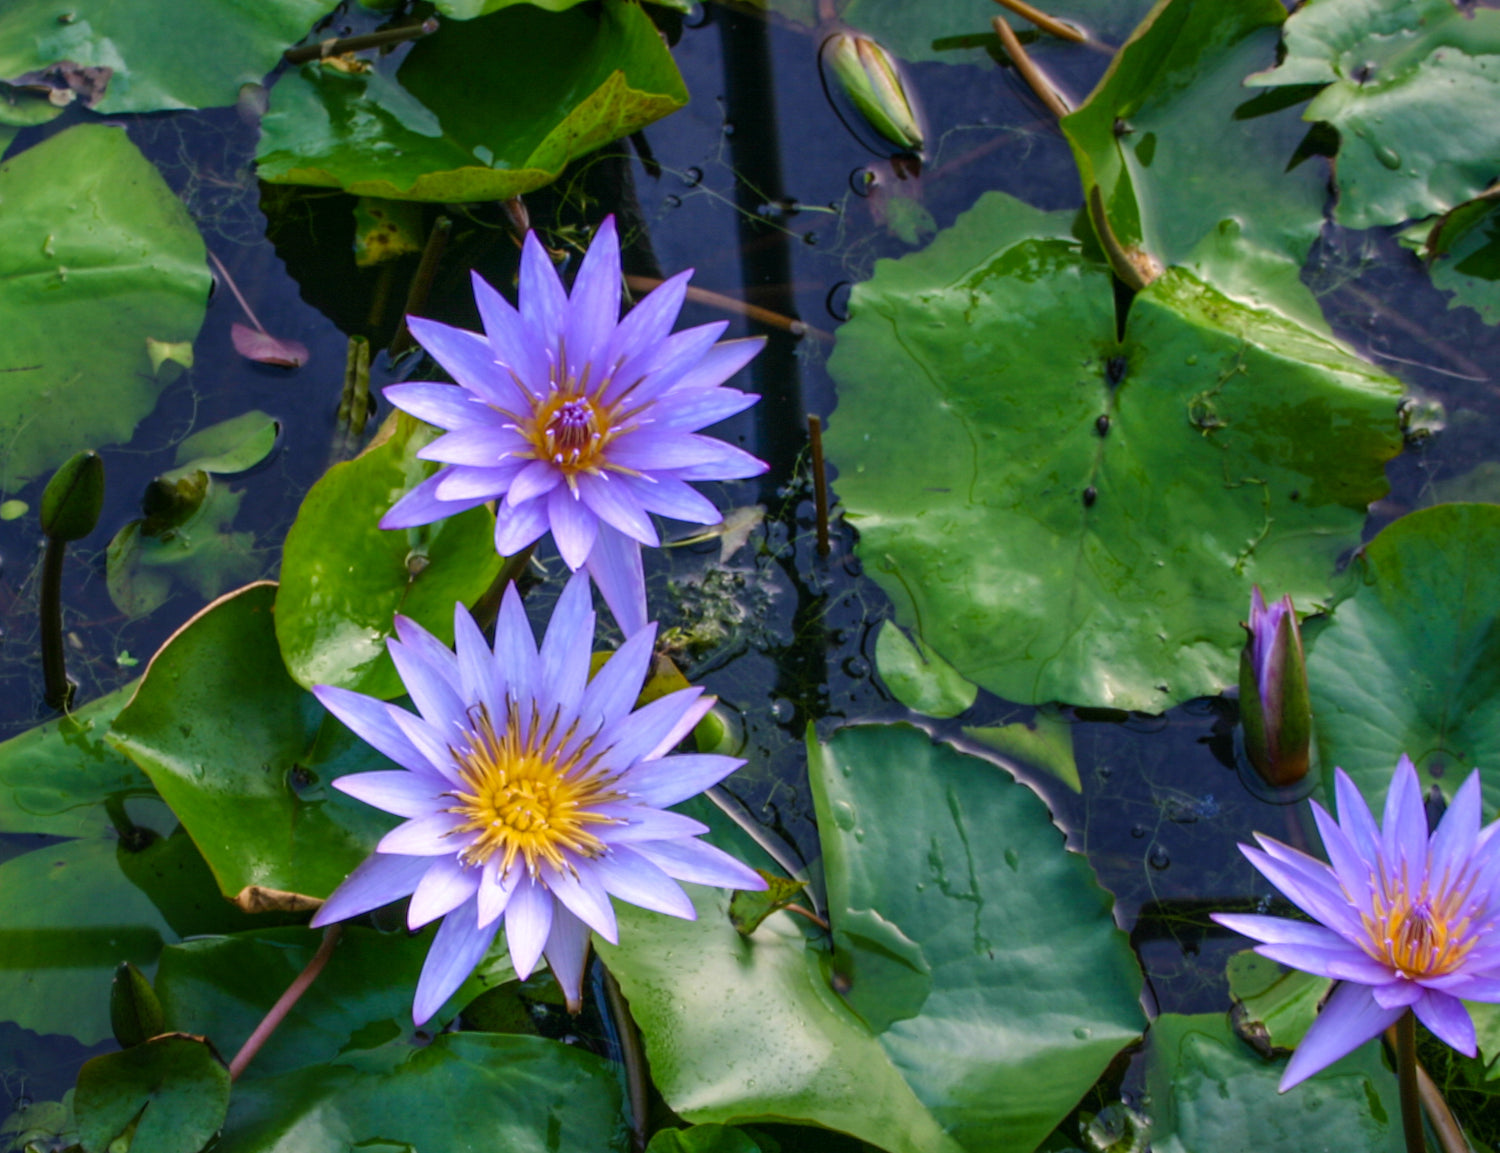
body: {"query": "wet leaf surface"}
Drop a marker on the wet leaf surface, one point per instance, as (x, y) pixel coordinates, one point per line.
(1085, 525)
(481, 110)
(171, 1093)
(94, 242)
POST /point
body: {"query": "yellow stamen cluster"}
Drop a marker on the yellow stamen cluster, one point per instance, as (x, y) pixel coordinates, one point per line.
(1422, 934)
(525, 797)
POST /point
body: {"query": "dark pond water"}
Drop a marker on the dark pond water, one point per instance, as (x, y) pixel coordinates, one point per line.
(759, 186)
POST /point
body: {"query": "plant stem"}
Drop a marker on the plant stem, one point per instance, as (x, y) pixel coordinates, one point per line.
(235, 288)
(731, 304)
(335, 47)
(284, 1003)
(1043, 21)
(54, 661)
(820, 480)
(1033, 76)
(804, 911)
(487, 607)
(421, 282)
(1406, 1075)
(1450, 1134)
(633, 1057)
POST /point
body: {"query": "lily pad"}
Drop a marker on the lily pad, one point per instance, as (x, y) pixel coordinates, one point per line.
(463, 1091)
(243, 755)
(343, 578)
(1462, 249)
(223, 987)
(1063, 515)
(484, 109)
(94, 242)
(1274, 1006)
(231, 446)
(1172, 116)
(1410, 662)
(919, 678)
(1413, 88)
(1046, 743)
(1209, 1090)
(986, 985)
(55, 778)
(170, 1093)
(706, 1139)
(156, 54)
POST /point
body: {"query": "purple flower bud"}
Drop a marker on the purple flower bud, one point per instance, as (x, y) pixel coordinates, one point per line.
(1274, 706)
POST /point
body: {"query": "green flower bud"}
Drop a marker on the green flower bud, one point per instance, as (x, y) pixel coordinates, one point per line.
(135, 1013)
(1275, 708)
(73, 498)
(872, 80)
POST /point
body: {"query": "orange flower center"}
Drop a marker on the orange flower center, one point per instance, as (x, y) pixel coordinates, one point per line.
(1424, 935)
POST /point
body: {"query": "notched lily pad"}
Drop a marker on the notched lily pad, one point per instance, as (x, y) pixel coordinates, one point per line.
(343, 578)
(1066, 516)
(1462, 251)
(919, 678)
(1410, 662)
(1413, 88)
(94, 242)
(169, 1095)
(243, 755)
(481, 110)
(1273, 1007)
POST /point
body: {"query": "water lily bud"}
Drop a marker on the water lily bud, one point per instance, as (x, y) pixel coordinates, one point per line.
(1275, 710)
(872, 81)
(135, 1013)
(74, 497)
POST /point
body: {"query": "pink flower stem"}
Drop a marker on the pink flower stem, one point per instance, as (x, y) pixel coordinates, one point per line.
(235, 288)
(284, 1003)
(1406, 1076)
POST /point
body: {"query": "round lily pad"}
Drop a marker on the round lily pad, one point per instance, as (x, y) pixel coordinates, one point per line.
(1065, 515)
(94, 242)
(483, 109)
(1410, 662)
(152, 55)
(169, 1093)
(244, 754)
(984, 984)
(1413, 88)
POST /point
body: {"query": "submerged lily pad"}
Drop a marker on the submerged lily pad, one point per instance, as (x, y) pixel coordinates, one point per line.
(1067, 516)
(244, 755)
(484, 109)
(463, 1091)
(1410, 662)
(94, 242)
(1209, 1090)
(152, 55)
(1413, 88)
(986, 985)
(920, 679)
(343, 578)
(231, 446)
(1172, 117)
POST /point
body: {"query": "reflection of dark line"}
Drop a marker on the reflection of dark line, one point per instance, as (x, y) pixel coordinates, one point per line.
(22, 368)
(765, 256)
(1186, 920)
(101, 946)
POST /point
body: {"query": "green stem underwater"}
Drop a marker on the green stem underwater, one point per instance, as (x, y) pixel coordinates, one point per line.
(54, 662)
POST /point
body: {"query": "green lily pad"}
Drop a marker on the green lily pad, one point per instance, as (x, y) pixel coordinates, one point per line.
(231, 446)
(142, 567)
(706, 1139)
(1410, 662)
(1413, 88)
(986, 986)
(481, 110)
(1067, 516)
(919, 678)
(223, 986)
(1172, 116)
(1462, 249)
(243, 755)
(1046, 743)
(156, 54)
(1209, 1090)
(94, 242)
(958, 31)
(343, 578)
(171, 1093)
(68, 917)
(1275, 1004)
(463, 1091)
(55, 778)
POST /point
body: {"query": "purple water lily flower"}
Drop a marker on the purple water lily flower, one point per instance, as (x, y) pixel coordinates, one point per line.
(1406, 920)
(577, 421)
(532, 794)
